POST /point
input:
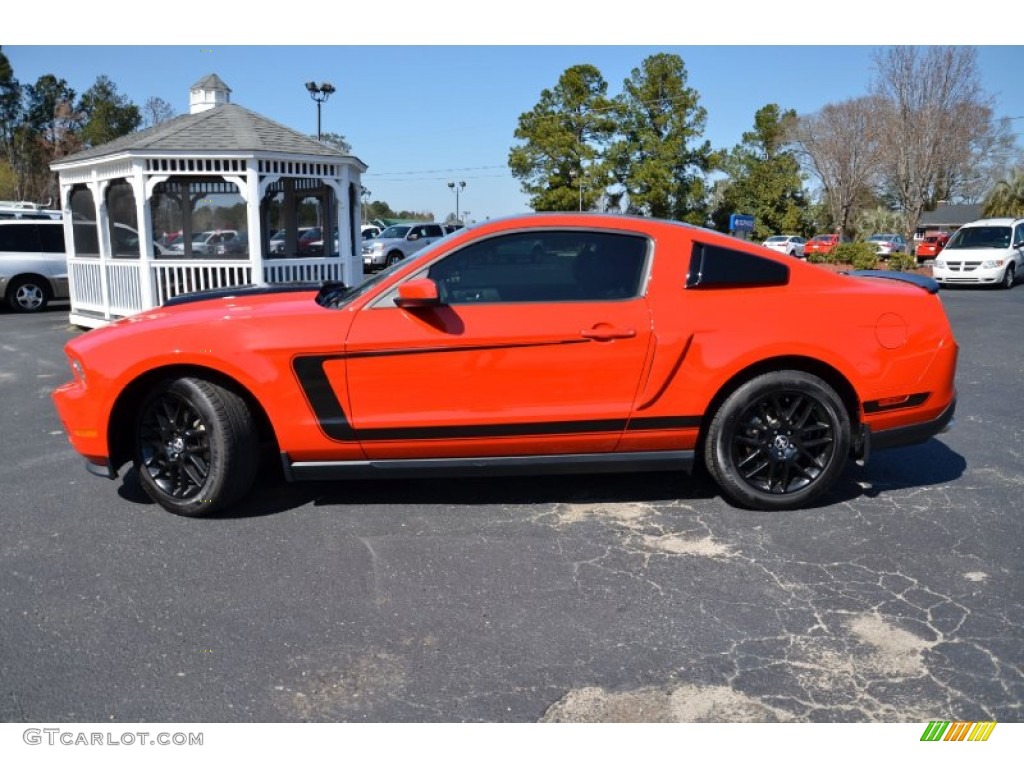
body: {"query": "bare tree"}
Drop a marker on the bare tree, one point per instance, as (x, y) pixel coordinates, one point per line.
(841, 145)
(935, 114)
(156, 111)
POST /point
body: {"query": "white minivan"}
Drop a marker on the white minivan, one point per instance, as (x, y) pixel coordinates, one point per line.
(984, 252)
(33, 264)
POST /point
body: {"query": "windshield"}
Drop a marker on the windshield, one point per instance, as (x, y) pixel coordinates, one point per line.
(823, 238)
(200, 237)
(395, 231)
(777, 239)
(980, 237)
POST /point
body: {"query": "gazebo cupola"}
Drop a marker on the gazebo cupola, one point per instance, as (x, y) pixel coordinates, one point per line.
(208, 93)
(216, 198)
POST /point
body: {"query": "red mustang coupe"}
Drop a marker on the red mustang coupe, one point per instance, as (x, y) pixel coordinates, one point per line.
(544, 343)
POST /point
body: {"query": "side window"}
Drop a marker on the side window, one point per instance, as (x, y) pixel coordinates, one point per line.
(433, 230)
(551, 266)
(1018, 236)
(23, 238)
(52, 238)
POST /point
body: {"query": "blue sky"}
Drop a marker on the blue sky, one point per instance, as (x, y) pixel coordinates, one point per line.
(421, 116)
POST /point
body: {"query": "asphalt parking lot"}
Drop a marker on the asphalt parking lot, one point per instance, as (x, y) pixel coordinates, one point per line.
(633, 598)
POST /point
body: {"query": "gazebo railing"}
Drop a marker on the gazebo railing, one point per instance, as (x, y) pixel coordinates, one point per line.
(174, 278)
(302, 270)
(122, 295)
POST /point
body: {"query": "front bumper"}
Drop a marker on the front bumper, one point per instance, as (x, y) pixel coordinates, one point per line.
(968, 275)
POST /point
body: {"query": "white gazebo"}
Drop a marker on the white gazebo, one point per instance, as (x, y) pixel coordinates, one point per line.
(216, 198)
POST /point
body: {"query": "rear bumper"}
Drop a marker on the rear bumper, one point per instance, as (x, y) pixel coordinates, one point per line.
(911, 434)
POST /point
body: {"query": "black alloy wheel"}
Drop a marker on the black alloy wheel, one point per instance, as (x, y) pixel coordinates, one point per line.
(196, 448)
(778, 441)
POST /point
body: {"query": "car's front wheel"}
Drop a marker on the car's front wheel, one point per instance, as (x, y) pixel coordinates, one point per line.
(1009, 277)
(777, 442)
(28, 294)
(393, 258)
(197, 447)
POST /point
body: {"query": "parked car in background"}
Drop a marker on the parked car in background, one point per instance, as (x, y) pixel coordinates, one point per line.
(630, 346)
(369, 231)
(888, 244)
(278, 243)
(236, 247)
(398, 242)
(311, 241)
(984, 252)
(33, 263)
(202, 242)
(791, 245)
(931, 246)
(821, 244)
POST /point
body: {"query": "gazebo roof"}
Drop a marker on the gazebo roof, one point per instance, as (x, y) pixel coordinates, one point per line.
(227, 127)
(211, 82)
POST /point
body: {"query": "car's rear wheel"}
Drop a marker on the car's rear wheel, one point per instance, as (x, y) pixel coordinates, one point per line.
(1009, 277)
(777, 442)
(197, 447)
(28, 294)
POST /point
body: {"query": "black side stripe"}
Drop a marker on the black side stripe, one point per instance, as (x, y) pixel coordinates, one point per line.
(329, 413)
(334, 422)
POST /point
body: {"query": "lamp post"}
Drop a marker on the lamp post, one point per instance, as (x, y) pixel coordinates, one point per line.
(319, 93)
(457, 187)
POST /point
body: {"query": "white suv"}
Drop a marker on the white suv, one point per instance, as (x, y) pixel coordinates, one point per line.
(988, 252)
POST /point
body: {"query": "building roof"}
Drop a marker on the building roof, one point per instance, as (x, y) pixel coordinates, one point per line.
(946, 215)
(227, 127)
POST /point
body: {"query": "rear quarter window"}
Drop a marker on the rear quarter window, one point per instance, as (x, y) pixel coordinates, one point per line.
(713, 266)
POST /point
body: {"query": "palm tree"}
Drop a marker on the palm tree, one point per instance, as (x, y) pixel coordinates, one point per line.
(1006, 198)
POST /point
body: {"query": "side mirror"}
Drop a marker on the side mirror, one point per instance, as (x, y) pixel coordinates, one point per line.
(414, 294)
(414, 236)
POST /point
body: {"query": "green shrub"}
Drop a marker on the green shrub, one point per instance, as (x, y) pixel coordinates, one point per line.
(858, 255)
(818, 258)
(902, 262)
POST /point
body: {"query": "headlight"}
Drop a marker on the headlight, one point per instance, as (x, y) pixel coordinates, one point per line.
(992, 264)
(940, 264)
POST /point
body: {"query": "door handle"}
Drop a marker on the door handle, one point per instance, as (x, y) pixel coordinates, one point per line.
(606, 333)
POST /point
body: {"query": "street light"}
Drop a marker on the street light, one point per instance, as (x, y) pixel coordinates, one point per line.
(319, 94)
(457, 187)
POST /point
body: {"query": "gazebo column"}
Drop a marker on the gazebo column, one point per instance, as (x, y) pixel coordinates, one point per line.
(249, 191)
(99, 200)
(69, 239)
(144, 216)
(252, 194)
(351, 272)
(149, 274)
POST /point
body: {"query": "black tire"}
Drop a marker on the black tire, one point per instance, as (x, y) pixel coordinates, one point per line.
(1009, 278)
(777, 442)
(196, 446)
(28, 294)
(393, 258)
